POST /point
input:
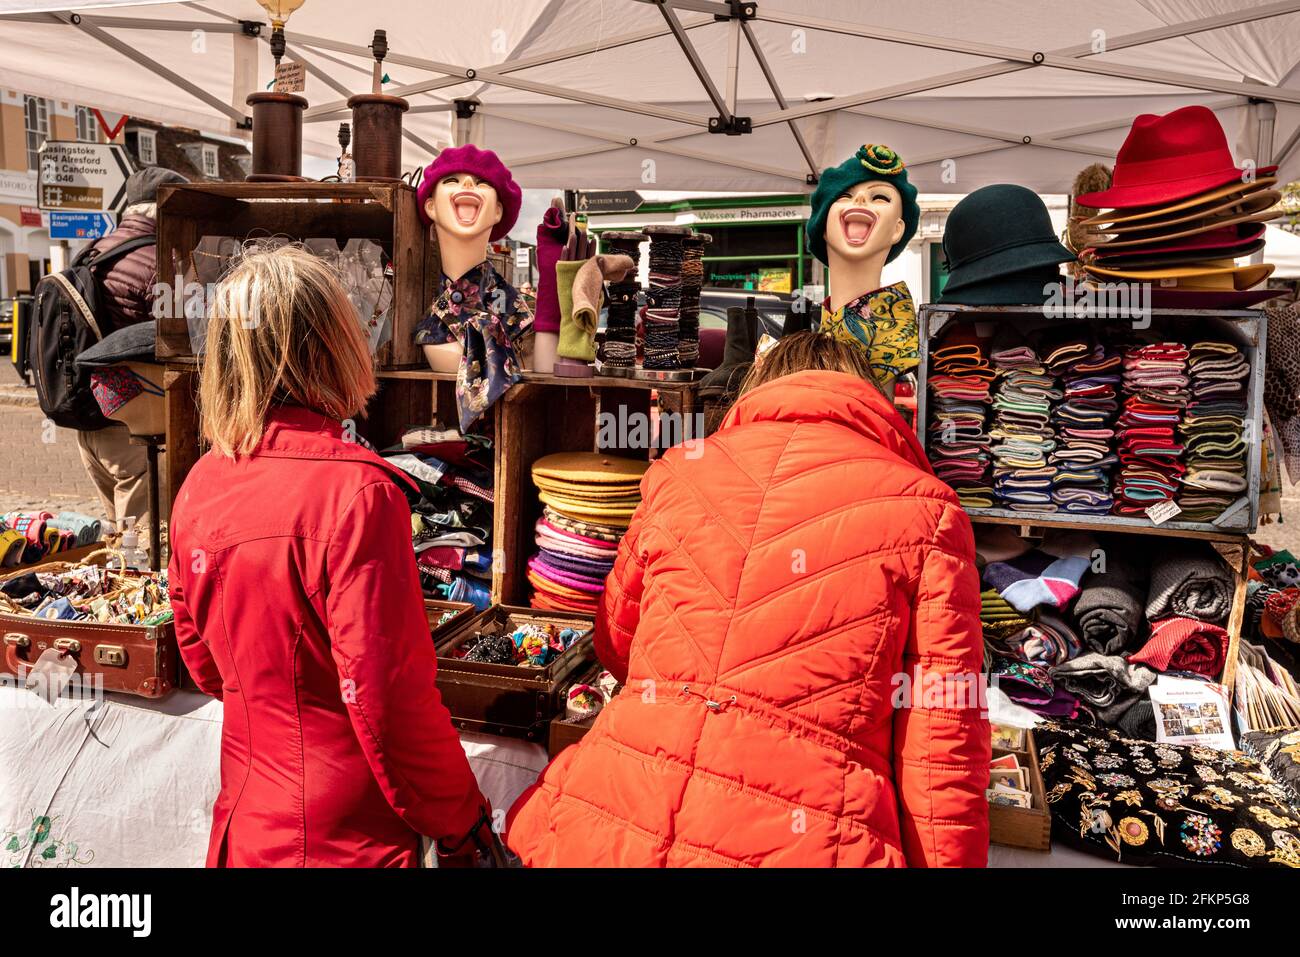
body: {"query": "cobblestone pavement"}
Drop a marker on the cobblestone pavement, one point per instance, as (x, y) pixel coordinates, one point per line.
(40, 466)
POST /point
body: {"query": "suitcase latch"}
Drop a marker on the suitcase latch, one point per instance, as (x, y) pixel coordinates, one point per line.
(17, 640)
(69, 646)
(110, 655)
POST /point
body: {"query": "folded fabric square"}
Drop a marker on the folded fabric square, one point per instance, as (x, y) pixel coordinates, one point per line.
(1184, 644)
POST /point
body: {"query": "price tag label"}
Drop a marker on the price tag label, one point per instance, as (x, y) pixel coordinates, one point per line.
(290, 77)
(1162, 512)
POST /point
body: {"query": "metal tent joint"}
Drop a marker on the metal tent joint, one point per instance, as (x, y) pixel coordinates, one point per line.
(251, 28)
(731, 125)
(465, 109)
(740, 10)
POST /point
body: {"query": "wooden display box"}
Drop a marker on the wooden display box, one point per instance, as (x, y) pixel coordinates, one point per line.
(384, 212)
(507, 699)
(1245, 327)
(1029, 827)
(434, 609)
(546, 414)
(564, 732)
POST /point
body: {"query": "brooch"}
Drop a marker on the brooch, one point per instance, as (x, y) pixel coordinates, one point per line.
(1248, 842)
(1133, 831)
(880, 159)
(1200, 835)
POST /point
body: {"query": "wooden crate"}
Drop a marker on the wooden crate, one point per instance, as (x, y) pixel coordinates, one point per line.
(1028, 827)
(384, 212)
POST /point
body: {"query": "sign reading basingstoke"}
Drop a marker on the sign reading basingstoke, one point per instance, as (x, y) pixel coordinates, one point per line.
(83, 176)
(80, 225)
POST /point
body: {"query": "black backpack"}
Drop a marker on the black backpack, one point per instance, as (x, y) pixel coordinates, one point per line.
(64, 324)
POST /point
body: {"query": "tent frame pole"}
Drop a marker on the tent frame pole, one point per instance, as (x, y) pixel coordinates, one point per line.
(770, 77)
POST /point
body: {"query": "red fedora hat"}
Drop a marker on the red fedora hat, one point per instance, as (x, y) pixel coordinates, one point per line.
(1170, 158)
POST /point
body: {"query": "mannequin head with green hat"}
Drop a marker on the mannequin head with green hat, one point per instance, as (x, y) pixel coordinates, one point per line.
(864, 212)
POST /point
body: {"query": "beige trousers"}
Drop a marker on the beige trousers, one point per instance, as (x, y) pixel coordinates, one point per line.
(119, 470)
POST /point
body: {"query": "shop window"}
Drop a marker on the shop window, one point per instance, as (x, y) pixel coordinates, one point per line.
(147, 147)
(777, 239)
(210, 167)
(86, 132)
(36, 119)
(767, 274)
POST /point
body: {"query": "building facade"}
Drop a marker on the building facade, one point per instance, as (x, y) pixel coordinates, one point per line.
(28, 120)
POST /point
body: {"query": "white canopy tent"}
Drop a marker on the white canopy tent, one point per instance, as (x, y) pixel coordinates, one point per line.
(624, 93)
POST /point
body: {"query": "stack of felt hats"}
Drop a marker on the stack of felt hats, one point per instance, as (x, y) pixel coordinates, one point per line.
(587, 503)
(1179, 213)
(1001, 249)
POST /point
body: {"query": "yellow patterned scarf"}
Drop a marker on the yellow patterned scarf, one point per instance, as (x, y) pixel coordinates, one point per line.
(883, 323)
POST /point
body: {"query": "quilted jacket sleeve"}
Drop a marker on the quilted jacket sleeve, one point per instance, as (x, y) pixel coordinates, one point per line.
(379, 637)
(620, 604)
(941, 749)
(194, 650)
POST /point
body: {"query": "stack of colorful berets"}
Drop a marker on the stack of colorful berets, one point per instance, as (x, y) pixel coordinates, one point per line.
(1179, 213)
(587, 503)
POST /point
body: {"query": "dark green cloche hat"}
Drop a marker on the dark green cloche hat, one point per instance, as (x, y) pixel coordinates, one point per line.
(871, 163)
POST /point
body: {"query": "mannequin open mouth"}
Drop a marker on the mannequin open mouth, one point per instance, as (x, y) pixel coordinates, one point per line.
(467, 206)
(857, 224)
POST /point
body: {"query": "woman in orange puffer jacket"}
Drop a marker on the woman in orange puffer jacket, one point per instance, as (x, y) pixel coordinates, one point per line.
(782, 588)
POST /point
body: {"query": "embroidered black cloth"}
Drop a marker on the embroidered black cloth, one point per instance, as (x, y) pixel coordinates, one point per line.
(1163, 805)
(1279, 751)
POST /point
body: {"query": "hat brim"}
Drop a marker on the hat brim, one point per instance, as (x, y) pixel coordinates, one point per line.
(1190, 230)
(1172, 191)
(133, 343)
(1004, 291)
(1162, 298)
(1177, 258)
(1009, 262)
(1242, 277)
(1213, 198)
(1250, 203)
(1221, 242)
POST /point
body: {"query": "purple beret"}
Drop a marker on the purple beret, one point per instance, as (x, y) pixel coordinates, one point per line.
(485, 165)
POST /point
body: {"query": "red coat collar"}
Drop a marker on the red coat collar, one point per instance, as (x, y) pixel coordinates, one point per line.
(296, 432)
(831, 397)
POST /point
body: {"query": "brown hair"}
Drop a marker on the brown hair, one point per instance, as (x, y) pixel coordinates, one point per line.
(805, 351)
(281, 330)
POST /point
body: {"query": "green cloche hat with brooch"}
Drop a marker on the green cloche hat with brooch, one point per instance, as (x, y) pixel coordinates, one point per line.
(871, 163)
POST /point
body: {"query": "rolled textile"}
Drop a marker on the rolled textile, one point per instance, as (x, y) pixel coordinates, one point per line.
(1045, 642)
(1139, 721)
(88, 530)
(1109, 607)
(1190, 583)
(1184, 644)
(1107, 683)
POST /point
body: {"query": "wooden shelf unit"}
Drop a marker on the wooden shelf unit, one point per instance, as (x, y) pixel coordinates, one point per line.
(383, 212)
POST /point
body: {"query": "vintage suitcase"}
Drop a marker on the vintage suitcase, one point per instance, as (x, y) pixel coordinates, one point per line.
(134, 659)
(436, 609)
(563, 731)
(507, 699)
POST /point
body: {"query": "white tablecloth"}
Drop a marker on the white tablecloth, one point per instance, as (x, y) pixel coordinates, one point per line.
(131, 782)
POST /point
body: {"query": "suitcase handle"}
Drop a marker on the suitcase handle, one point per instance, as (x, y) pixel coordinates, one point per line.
(13, 642)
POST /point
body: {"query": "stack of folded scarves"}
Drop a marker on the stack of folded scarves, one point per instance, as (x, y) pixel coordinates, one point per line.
(959, 441)
(1085, 433)
(451, 523)
(1022, 434)
(1156, 393)
(587, 503)
(1213, 431)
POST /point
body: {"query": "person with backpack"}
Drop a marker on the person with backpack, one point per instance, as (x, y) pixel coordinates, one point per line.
(107, 287)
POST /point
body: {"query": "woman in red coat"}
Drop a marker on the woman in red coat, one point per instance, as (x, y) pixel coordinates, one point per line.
(794, 613)
(296, 595)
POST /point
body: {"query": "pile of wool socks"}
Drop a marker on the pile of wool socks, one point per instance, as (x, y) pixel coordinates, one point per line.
(1022, 433)
(1156, 393)
(1084, 421)
(1213, 431)
(959, 440)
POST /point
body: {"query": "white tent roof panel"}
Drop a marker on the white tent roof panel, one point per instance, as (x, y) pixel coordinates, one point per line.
(561, 82)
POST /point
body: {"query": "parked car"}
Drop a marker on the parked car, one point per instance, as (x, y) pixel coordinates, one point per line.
(772, 308)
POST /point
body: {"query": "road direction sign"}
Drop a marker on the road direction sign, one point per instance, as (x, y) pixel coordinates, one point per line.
(88, 177)
(80, 225)
(612, 201)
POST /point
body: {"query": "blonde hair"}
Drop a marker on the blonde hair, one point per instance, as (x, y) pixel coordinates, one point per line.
(804, 351)
(281, 331)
